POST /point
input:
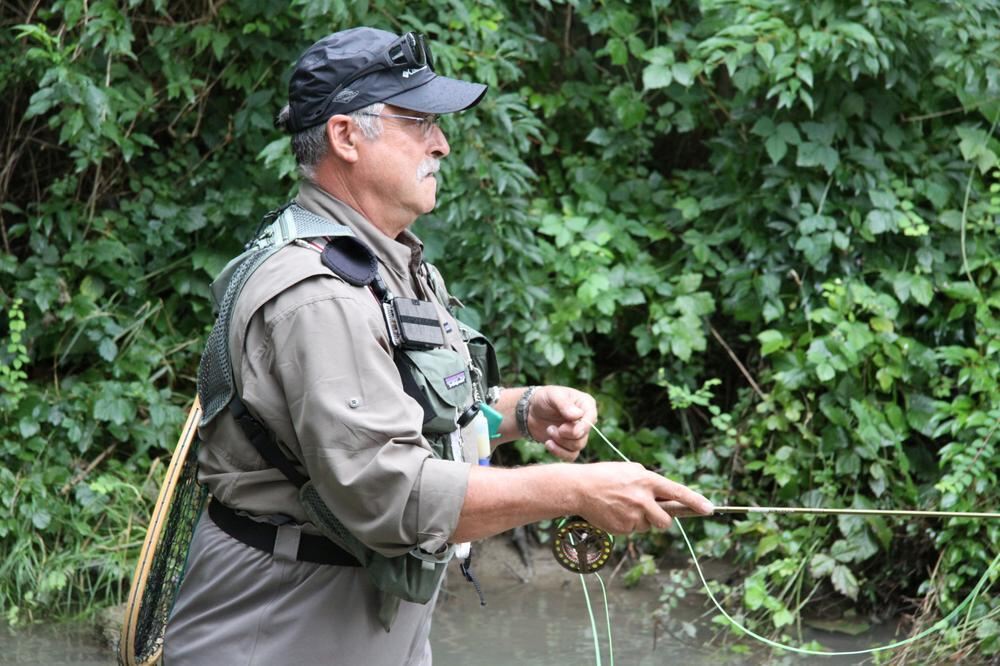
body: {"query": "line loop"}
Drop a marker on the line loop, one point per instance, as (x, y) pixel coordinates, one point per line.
(940, 625)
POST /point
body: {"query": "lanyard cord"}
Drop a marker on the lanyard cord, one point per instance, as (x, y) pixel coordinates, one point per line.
(940, 625)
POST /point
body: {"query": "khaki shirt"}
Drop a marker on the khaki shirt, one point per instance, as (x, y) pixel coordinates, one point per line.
(312, 360)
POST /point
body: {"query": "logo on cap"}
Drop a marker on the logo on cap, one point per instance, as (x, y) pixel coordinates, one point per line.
(345, 95)
(407, 73)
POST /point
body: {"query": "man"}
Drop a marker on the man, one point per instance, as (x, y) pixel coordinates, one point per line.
(319, 365)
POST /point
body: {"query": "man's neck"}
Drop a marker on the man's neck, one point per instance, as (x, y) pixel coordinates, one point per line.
(370, 210)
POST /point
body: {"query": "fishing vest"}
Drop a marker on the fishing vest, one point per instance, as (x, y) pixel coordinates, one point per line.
(425, 365)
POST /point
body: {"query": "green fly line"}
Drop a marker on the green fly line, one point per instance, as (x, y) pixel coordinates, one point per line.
(593, 622)
(940, 625)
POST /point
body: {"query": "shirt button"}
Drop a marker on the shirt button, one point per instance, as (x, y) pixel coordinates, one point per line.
(354, 403)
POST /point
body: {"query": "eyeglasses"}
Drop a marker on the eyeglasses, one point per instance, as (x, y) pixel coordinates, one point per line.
(425, 124)
(411, 50)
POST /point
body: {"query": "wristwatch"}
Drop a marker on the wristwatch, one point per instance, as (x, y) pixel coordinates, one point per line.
(521, 412)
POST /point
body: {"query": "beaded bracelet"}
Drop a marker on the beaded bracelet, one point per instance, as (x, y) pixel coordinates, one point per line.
(521, 412)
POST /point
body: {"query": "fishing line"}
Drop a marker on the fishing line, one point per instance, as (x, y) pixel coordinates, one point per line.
(593, 623)
(940, 625)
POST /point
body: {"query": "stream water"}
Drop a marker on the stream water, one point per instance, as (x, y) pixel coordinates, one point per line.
(545, 622)
(531, 619)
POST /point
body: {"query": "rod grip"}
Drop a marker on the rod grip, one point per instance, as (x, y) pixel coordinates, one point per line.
(678, 510)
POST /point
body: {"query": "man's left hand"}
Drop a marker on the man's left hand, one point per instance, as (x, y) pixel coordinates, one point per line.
(560, 417)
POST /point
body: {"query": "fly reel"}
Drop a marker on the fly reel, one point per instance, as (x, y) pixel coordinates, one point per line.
(581, 547)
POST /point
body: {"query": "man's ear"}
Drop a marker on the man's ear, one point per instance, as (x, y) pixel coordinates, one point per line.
(343, 136)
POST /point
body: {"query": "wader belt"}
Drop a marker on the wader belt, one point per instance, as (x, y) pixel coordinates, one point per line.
(312, 547)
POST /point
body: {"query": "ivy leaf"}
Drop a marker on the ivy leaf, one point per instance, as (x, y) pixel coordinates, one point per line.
(766, 52)
(961, 291)
(656, 76)
(41, 519)
(805, 73)
(618, 51)
(844, 581)
(776, 148)
(754, 593)
(855, 32)
(683, 73)
(553, 352)
(879, 221)
(789, 133)
(910, 285)
(922, 289)
(881, 324)
(882, 199)
(763, 127)
(771, 341)
(28, 427)
(115, 409)
(974, 145)
(822, 565)
(813, 154)
(108, 349)
(782, 617)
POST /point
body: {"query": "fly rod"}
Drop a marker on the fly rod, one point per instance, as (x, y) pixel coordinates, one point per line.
(681, 511)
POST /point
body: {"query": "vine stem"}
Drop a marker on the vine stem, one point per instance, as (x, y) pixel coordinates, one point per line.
(743, 370)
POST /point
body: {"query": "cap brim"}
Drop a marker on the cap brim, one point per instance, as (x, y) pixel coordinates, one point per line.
(439, 95)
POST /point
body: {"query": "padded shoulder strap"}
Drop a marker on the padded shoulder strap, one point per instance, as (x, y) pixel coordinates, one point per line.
(351, 260)
(215, 373)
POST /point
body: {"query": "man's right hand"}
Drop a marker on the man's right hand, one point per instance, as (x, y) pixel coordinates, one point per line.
(621, 497)
(618, 497)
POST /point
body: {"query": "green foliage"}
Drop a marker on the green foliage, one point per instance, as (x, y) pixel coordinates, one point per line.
(646, 566)
(765, 234)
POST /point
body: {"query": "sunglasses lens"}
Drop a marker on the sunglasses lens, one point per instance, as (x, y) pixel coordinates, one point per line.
(411, 50)
(411, 45)
(424, 48)
(397, 55)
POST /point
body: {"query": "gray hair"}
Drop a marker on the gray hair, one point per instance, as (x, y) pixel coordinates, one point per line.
(309, 146)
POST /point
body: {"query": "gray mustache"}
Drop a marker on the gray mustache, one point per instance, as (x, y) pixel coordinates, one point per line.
(427, 167)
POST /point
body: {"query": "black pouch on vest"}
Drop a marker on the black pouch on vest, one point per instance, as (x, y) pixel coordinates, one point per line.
(413, 324)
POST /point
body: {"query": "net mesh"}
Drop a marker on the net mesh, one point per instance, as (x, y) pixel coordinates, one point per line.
(215, 372)
(169, 560)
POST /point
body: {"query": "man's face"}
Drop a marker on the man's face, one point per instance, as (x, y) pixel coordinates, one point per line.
(400, 166)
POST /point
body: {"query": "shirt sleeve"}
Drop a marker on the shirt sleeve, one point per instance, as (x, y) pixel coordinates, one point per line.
(357, 430)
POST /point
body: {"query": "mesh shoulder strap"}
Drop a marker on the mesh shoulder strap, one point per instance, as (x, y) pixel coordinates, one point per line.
(215, 372)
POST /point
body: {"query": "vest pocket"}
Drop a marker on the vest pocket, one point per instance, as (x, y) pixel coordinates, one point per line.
(442, 386)
(483, 356)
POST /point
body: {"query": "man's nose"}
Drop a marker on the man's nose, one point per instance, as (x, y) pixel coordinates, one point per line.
(438, 143)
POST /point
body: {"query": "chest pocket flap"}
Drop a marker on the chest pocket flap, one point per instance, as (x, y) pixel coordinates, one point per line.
(443, 386)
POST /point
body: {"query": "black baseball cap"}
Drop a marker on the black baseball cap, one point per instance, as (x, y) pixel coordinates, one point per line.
(351, 69)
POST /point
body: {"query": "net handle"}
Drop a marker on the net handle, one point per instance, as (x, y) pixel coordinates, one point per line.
(126, 648)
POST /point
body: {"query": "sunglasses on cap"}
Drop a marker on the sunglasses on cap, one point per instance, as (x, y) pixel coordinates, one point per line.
(411, 51)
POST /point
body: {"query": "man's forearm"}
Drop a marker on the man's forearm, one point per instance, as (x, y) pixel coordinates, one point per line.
(500, 499)
(618, 497)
